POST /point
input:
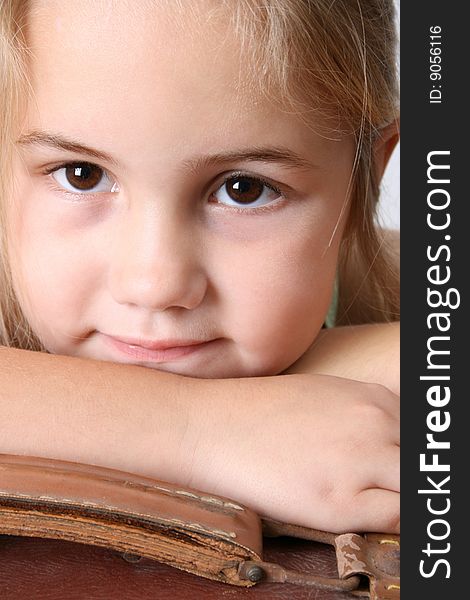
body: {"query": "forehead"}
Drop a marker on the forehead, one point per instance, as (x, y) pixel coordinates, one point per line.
(141, 50)
(145, 25)
(128, 75)
(103, 66)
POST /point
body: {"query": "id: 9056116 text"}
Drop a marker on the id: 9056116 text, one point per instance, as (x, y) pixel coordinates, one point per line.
(435, 64)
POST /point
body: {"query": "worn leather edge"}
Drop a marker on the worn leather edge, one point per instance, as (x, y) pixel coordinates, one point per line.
(199, 533)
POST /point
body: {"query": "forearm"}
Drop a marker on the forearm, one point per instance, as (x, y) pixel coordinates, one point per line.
(124, 417)
(369, 353)
(218, 435)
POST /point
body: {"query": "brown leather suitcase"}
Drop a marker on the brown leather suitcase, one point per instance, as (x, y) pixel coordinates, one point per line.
(75, 532)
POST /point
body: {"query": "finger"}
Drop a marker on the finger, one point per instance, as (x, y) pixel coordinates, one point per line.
(379, 428)
(388, 401)
(384, 471)
(394, 433)
(376, 510)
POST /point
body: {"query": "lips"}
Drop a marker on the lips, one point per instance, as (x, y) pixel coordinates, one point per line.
(156, 350)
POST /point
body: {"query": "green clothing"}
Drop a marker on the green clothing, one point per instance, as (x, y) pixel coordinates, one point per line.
(331, 314)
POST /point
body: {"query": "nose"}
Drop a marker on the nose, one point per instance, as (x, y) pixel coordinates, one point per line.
(154, 261)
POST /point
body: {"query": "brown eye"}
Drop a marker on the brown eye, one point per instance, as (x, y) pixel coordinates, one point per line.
(244, 189)
(84, 178)
(247, 191)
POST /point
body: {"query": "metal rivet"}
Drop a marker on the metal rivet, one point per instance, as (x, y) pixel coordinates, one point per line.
(131, 558)
(255, 574)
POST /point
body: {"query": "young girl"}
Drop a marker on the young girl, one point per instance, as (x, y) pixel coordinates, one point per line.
(183, 187)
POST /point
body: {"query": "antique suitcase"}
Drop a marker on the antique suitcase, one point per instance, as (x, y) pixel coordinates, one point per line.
(73, 531)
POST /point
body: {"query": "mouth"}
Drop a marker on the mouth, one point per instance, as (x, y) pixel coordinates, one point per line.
(156, 351)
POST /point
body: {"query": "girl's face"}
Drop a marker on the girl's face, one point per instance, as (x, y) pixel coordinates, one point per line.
(164, 215)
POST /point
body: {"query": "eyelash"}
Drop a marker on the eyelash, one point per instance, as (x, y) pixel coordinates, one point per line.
(79, 197)
(270, 207)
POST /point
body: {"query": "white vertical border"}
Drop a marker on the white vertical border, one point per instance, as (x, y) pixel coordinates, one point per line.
(389, 204)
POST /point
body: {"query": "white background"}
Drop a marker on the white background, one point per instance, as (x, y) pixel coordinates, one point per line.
(389, 204)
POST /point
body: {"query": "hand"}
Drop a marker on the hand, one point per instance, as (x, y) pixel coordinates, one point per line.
(312, 450)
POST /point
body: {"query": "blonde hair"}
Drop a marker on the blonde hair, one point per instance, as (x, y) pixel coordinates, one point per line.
(14, 329)
(314, 57)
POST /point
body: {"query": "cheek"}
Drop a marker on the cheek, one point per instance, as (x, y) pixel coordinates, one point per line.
(51, 273)
(279, 296)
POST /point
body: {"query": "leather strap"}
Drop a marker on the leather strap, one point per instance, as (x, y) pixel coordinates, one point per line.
(199, 533)
(376, 556)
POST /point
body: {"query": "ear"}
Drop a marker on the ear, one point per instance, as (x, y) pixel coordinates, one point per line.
(384, 145)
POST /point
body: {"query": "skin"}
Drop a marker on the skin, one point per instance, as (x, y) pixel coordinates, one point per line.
(165, 257)
(308, 449)
(363, 352)
(257, 280)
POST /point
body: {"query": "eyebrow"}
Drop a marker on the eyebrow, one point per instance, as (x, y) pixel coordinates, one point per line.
(59, 142)
(279, 155)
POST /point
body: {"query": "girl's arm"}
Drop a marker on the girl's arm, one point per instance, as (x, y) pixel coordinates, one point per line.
(308, 449)
(96, 412)
(369, 353)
